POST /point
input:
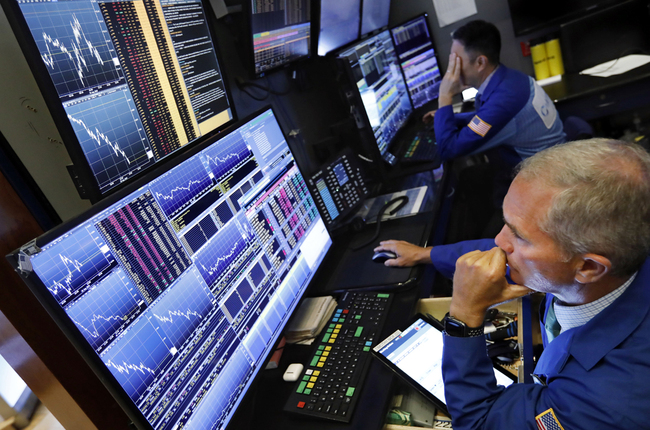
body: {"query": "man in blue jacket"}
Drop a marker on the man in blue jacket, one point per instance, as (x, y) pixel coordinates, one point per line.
(514, 119)
(577, 227)
(513, 116)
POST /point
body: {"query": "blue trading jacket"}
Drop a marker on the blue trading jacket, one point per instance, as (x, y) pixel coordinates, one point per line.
(515, 118)
(597, 375)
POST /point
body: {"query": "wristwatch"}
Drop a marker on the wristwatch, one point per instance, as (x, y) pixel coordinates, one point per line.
(457, 328)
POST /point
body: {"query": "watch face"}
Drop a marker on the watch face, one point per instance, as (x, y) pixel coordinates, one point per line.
(454, 327)
(457, 328)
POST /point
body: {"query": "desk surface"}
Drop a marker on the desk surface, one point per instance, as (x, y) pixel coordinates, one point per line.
(574, 85)
(591, 97)
(263, 409)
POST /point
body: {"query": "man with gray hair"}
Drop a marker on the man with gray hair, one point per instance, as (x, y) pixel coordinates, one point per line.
(577, 227)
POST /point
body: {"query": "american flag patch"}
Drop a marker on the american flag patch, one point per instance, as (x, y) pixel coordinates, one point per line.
(548, 421)
(479, 126)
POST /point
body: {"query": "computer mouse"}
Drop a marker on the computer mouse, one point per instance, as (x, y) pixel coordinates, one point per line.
(381, 256)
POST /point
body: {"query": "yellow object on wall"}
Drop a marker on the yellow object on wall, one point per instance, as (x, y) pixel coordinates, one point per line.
(554, 57)
(540, 63)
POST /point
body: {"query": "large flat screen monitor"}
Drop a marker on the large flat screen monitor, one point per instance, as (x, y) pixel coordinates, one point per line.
(128, 83)
(281, 32)
(375, 72)
(529, 16)
(338, 24)
(418, 59)
(176, 288)
(374, 15)
(605, 35)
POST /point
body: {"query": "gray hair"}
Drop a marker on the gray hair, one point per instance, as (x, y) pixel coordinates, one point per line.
(603, 203)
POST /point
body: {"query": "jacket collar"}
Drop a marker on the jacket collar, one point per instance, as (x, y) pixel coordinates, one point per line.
(496, 79)
(614, 324)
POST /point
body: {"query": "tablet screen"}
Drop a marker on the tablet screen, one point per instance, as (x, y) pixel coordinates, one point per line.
(416, 354)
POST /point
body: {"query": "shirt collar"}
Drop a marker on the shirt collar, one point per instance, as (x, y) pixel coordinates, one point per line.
(485, 83)
(575, 316)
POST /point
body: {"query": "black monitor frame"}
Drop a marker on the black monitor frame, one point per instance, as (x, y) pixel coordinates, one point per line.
(250, 42)
(316, 26)
(353, 96)
(606, 34)
(376, 29)
(530, 16)
(425, 17)
(80, 171)
(19, 259)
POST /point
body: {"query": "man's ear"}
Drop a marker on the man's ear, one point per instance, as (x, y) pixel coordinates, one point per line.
(481, 62)
(592, 268)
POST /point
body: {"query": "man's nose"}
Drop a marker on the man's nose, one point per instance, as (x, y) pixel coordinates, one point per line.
(503, 240)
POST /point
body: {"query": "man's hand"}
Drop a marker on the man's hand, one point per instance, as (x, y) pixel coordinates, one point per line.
(427, 118)
(407, 254)
(480, 282)
(451, 83)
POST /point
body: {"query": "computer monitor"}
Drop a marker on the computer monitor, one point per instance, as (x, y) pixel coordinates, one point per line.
(338, 24)
(374, 15)
(281, 33)
(529, 16)
(608, 34)
(418, 59)
(127, 83)
(374, 72)
(176, 288)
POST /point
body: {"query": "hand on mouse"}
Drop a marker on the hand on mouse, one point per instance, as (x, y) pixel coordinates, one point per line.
(428, 117)
(408, 255)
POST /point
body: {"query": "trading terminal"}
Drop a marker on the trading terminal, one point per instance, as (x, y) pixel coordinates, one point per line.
(184, 178)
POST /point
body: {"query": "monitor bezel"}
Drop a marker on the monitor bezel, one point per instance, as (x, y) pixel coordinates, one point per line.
(64, 322)
(353, 96)
(424, 15)
(81, 173)
(521, 28)
(316, 25)
(375, 30)
(250, 47)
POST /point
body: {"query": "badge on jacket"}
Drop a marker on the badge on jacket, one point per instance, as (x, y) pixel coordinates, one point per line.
(548, 421)
(478, 126)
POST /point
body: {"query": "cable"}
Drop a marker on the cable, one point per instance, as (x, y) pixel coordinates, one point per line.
(243, 84)
(403, 200)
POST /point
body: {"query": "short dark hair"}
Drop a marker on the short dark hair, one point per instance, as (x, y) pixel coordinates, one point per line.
(480, 38)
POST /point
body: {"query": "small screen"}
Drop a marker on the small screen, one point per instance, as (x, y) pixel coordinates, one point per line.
(182, 288)
(377, 75)
(374, 15)
(281, 32)
(418, 60)
(339, 188)
(417, 352)
(339, 24)
(341, 176)
(136, 80)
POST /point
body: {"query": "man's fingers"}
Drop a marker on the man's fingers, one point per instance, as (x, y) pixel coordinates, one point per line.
(497, 256)
(457, 67)
(385, 245)
(515, 291)
(471, 257)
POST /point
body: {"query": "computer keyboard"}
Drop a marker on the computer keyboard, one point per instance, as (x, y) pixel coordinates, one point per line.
(332, 380)
(422, 148)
